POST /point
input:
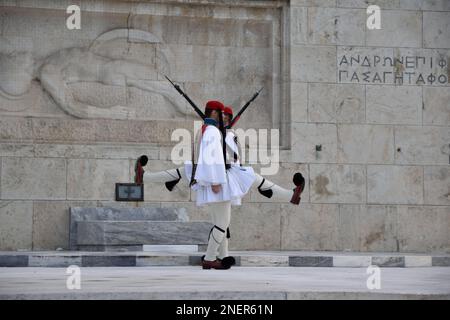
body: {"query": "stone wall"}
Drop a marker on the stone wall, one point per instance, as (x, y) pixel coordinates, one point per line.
(380, 183)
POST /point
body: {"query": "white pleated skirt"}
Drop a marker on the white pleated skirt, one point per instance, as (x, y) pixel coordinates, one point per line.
(240, 180)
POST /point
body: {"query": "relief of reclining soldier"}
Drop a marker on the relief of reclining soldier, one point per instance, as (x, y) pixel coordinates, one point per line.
(94, 65)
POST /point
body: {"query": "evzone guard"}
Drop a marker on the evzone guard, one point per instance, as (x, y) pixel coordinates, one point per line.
(219, 180)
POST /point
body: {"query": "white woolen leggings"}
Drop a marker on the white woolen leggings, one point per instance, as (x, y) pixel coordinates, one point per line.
(218, 242)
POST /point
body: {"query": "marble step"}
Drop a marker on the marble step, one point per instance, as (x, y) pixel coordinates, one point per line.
(78, 214)
(223, 295)
(121, 233)
(243, 259)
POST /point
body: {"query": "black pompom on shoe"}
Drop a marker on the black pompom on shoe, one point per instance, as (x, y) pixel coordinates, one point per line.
(298, 180)
(143, 160)
(227, 262)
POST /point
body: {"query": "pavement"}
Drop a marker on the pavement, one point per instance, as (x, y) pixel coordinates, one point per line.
(243, 283)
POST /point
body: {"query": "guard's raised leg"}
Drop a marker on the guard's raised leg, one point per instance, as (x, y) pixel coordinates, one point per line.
(270, 190)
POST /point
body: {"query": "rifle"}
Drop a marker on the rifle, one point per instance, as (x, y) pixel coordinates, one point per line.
(238, 115)
(196, 109)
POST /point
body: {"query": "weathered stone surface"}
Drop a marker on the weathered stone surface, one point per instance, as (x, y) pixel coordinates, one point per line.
(95, 151)
(299, 102)
(112, 130)
(305, 138)
(365, 144)
(112, 248)
(352, 261)
(255, 227)
(378, 229)
(437, 185)
(16, 223)
(383, 262)
(15, 129)
(336, 26)
(54, 261)
(436, 107)
(108, 261)
(383, 4)
(14, 261)
(16, 150)
(309, 227)
(441, 261)
(50, 225)
(422, 145)
(312, 261)
(51, 219)
(313, 64)
(145, 261)
(63, 130)
(337, 183)
(368, 228)
(418, 261)
(406, 108)
(423, 229)
(313, 3)
(268, 261)
(142, 232)
(436, 29)
(402, 28)
(33, 178)
(89, 179)
(394, 184)
(299, 26)
(435, 5)
(336, 103)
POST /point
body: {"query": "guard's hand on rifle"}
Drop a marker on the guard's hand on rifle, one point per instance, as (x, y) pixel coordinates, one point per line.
(216, 188)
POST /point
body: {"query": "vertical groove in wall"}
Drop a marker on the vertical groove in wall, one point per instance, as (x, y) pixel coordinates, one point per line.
(1, 164)
(395, 146)
(32, 225)
(423, 36)
(422, 107)
(309, 181)
(365, 104)
(367, 184)
(66, 163)
(423, 185)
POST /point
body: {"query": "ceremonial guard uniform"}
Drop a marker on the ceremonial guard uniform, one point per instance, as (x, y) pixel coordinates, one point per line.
(210, 170)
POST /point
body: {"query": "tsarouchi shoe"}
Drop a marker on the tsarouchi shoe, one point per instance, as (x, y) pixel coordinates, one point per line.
(216, 264)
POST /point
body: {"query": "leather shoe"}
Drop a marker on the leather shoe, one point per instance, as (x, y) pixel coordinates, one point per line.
(216, 264)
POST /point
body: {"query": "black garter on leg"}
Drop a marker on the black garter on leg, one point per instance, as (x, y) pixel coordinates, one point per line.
(266, 193)
(171, 184)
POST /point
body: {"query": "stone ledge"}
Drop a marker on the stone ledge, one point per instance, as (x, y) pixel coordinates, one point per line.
(229, 295)
(244, 259)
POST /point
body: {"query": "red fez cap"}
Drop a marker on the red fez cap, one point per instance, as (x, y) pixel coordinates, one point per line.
(228, 110)
(214, 105)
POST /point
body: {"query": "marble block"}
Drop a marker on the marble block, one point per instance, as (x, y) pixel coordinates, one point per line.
(78, 214)
(140, 232)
